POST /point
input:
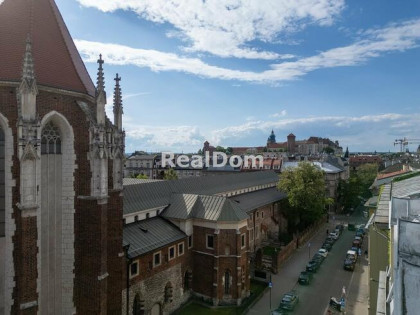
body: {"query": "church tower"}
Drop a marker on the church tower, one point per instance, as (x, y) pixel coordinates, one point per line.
(61, 164)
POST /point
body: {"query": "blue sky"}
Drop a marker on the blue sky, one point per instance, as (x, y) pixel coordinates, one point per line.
(230, 71)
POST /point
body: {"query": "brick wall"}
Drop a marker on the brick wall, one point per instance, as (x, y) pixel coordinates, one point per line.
(151, 281)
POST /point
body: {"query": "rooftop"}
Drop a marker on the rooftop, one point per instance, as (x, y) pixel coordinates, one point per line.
(148, 235)
(158, 194)
(53, 50)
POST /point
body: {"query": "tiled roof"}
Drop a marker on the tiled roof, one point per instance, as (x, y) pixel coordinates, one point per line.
(158, 194)
(53, 49)
(259, 198)
(147, 235)
(211, 208)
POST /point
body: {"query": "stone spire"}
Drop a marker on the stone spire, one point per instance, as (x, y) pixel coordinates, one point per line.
(100, 94)
(118, 108)
(28, 89)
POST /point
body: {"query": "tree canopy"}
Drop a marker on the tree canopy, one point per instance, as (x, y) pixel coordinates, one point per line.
(305, 188)
(142, 176)
(170, 175)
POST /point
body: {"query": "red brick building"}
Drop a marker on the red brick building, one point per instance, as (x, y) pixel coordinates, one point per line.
(60, 171)
(195, 237)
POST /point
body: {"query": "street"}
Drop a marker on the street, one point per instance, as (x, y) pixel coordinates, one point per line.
(328, 281)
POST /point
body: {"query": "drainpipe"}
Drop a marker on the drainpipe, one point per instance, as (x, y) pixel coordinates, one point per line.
(128, 262)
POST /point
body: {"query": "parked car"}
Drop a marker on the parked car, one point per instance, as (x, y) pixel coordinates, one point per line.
(323, 252)
(327, 246)
(350, 260)
(330, 240)
(313, 266)
(319, 258)
(305, 277)
(289, 301)
(340, 227)
(360, 233)
(356, 243)
(334, 235)
(358, 238)
(337, 231)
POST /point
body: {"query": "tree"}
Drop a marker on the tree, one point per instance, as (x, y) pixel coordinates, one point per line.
(220, 149)
(200, 152)
(229, 150)
(170, 175)
(366, 174)
(305, 189)
(142, 176)
(329, 150)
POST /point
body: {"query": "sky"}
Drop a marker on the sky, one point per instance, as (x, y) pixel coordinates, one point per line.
(230, 71)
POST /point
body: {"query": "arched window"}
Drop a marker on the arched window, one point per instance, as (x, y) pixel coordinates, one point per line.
(51, 220)
(138, 307)
(50, 140)
(168, 293)
(187, 280)
(227, 282)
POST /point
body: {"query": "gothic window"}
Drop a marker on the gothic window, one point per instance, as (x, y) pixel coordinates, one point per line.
(51, 216)
(2, 189)
(168, 293)
(138, 307)
(50, 140)
(227, 282)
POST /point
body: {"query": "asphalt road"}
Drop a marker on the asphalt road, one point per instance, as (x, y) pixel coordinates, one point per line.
(327, 282)
(330, 277)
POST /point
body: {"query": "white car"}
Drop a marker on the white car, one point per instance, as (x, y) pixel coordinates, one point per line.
(323, 252)
(334, 235)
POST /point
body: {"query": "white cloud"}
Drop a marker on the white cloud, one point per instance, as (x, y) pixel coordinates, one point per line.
(158, 138)
(226, 28)
(372, 43)
(280, 114)
(375, 131)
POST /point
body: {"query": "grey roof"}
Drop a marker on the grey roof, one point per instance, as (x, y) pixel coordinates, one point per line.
(382, 211)
(150, 234)
(158, 194)
(387, 180)
(371, 202)
(134, 181)
(407, 187)
(142, 157)
(259, 198)
(211, 208)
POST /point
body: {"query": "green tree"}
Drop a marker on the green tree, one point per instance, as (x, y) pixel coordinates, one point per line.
(329, 150)
(200, 152)
(220, 149)
(170, 175)
(305, 188)
(142, 176)
(366, 174)
(229, 150)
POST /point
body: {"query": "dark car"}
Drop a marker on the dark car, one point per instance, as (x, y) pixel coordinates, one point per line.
(289, 301)
(340, 227)
(360, 233)
(329, 241)
(349, 264)
(356, 243)
(327, 246)
(305, 277)
(313, 266)
(318, 257)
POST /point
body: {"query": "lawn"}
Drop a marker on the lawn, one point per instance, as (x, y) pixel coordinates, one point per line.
(257, 289)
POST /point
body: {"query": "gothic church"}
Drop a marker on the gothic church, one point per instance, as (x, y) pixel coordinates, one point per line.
(61, 164)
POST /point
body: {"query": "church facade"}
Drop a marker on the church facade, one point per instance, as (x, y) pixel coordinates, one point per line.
(61, 174)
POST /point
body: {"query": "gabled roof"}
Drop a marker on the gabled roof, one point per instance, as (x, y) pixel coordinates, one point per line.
(260, 198)
(147, 235)
(57, 61)
(211, 208)
(154, 195)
